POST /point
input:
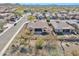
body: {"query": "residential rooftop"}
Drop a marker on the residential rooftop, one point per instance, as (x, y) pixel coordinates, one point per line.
(61, 25)
(38, 24)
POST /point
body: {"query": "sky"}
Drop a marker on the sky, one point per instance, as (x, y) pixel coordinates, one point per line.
(39, 1)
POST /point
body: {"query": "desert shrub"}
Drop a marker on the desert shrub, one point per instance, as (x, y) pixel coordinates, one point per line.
(22, 41)
(27, 31)
(1, 26)
(48, 20)
(50, 24)
(67, 45)
(39, 43)
(1, 30)
(31, 18)
(14, 48)
(76, 44)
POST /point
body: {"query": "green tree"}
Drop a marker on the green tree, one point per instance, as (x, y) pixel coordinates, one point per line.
(19, 11)
(31, 18)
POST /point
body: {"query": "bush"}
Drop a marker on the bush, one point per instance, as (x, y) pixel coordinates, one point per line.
(50, 24)
(1, 25)
(76, 44)
(31, 18)
(67, 45)
(27, 32)
(48, 20)
(14, 48)
(23, 50)
(19, 11)
(1, 30)
(39, 43)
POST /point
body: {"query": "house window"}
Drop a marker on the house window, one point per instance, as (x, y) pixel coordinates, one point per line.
(66, 30)
(38, 30)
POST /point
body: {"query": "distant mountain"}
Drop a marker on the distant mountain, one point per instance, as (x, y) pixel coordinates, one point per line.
(40, 4)
(50, 4)
(9, 4)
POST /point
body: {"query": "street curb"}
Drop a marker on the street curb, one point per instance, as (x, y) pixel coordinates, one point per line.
(7, 45)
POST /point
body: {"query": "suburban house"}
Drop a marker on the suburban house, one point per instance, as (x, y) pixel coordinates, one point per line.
(63, 12)
(39, 27)
(74, 15)
(77, 17)
(53, 16)
(40, 17)
(61, 16)
(77, 27)
(75, 24)
(62, 28)
(48, 14)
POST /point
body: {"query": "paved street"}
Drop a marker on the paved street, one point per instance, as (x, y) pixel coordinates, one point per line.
(9, 34)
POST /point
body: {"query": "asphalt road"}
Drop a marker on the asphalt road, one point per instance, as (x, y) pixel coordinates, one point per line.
(9, 33)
